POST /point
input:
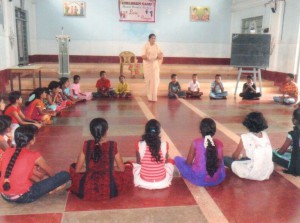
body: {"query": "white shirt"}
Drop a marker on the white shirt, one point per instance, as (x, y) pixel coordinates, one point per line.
(194, 86)
(259, 151)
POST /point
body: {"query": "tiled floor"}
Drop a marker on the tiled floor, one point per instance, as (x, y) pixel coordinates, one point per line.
(235, 200)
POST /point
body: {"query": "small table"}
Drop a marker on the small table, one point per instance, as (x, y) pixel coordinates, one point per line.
(22, 71)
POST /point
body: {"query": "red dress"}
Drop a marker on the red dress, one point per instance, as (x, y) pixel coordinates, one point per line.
(100, 181)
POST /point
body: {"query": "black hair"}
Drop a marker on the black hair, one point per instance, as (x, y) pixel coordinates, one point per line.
(208, 128)
(122, 76)
(37, 92)
(218, 75)
(194, 75)
(151, 35)
(53, 85)
(12, 97)
(292, 76)
(5, 122)
(63, 80)
(250, 77)
(23, 135)
(296, 117)
(255, 122)
(75, 77)
(102, 72)
(173, 75)
(152, 138)
(98, 128)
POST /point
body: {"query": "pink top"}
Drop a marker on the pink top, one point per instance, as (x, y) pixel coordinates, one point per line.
(76, 88)
(151, 170)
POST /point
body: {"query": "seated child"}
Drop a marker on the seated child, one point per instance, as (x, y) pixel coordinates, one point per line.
(123, 89)
(204, 165)
(103, 86)
(290, 159)
(76, 92)
(5, 122)
(175, 89)
(153, 169)
(35, 108)
(289, 91)
(217, 89)
(54, 100)
(249, 90)
(194, 88)
(18, 165)
(66, 91)
(95, 167)
(13, 110)
(253, 157)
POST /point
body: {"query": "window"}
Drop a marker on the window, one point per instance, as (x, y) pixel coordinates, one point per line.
(252, 23)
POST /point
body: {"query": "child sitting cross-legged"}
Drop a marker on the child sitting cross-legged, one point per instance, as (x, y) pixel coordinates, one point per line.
(289, 91)
(103, 86)
(194, 88)
(249, 90)
(204, 165)
(154, 169)
(18, 182)
(123, 88)
(35, 108)
(76, 92)
(253, 157)
(288, 155)
(95, 175)
(175, 89)
(217, 89)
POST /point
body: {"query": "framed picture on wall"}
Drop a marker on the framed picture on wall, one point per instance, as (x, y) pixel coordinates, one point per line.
(74, 8)
(201, 14)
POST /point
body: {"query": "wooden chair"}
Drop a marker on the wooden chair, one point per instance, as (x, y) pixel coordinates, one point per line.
(127, 58)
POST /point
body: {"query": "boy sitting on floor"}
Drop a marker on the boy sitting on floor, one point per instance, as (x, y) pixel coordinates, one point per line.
(217, 89)
(123, 89)
(103, 86)
(175, 89)
(289, 91)
(194, 88)
(249, 90)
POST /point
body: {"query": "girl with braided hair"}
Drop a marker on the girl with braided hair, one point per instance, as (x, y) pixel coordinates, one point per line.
(153, 169)
(204, 165)
(18, 164)
(94, 176)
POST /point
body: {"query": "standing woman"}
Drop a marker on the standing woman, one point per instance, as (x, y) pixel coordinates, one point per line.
(152, 59)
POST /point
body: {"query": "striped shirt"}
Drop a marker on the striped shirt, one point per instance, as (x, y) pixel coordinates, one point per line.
(151, 170)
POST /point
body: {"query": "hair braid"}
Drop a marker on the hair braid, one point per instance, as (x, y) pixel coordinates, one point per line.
(6, 185)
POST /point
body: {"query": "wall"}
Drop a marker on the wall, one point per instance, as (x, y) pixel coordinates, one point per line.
(284, 41)
(101, 33)
(9, 54)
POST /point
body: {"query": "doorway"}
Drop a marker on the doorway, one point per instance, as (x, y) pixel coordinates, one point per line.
(22, 38)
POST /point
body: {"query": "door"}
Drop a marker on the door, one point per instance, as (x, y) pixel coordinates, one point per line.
(22, 40)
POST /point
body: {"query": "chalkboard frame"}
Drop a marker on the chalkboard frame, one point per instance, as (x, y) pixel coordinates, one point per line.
(259, 51)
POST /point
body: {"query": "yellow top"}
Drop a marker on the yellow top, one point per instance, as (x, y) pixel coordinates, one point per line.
(122, 88)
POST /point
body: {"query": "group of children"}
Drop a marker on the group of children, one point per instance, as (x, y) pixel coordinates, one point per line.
(289, 90)
(100, 172)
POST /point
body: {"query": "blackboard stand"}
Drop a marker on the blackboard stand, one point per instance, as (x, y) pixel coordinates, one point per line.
(256, 72)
